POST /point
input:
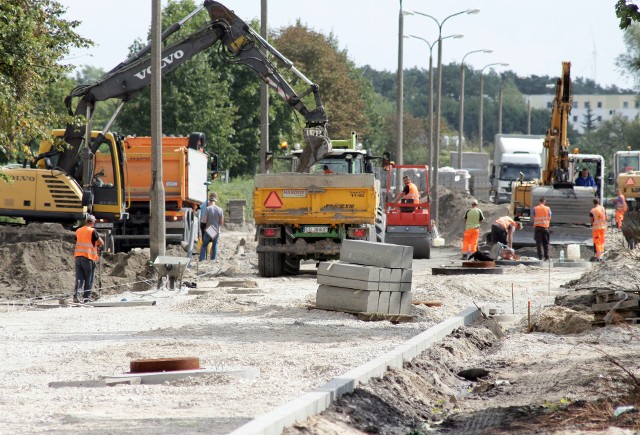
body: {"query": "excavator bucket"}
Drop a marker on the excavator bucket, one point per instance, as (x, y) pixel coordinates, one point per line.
(317, 146)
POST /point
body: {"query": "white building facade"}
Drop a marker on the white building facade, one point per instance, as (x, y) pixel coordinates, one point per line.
(603, 107)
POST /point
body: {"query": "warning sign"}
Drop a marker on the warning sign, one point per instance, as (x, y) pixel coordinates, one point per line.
(273, 201)
(630, 182)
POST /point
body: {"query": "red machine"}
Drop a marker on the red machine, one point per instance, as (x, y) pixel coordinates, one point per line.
(409, 221)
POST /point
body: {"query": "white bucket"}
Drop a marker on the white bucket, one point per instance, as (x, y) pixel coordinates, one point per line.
(573, 252)
(438, 241)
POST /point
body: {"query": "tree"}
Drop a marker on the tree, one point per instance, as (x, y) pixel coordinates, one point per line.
(589, 122)
(34, 39)
(627, 12)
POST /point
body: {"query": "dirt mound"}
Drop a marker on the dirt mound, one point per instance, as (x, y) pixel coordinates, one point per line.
(35, 232)
(560, 320)
(621, 274)
(452, 206)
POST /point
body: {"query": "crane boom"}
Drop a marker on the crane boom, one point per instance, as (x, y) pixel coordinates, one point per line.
(241, 44)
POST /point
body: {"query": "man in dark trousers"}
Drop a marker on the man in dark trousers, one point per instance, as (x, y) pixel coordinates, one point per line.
(212, 221)
(541, 223)
(86, 255)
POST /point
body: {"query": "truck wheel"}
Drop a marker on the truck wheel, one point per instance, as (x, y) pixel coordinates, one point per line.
(291, 265)
(381, 225)
(270, 264)
(424, 251)
(190, 230)
(109, 244)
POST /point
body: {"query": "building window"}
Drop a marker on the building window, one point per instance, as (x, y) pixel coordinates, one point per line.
(625, 104)
(587, 105)
(599, 104)
(575, 118)
(637, 104)
(549, 104)
(575, 105)
(599, 118)
(612, 112)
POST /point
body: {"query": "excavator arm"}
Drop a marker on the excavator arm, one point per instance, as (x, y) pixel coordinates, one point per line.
(242, 45)
(556, 142)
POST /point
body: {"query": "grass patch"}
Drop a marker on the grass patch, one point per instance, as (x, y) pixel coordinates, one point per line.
(236, 188)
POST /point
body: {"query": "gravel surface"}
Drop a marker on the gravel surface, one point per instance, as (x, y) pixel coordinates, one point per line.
(269, 327)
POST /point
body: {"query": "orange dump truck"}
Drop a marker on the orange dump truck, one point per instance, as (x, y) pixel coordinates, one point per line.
(184, 169)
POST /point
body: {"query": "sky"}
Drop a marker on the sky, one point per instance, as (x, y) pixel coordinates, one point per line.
(533, 37)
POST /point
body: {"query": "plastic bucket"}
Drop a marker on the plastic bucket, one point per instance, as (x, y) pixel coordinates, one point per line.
(573, 252)
(438, 241)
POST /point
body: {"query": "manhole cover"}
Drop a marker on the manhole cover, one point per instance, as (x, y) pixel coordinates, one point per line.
(479, 264)
(163, 365)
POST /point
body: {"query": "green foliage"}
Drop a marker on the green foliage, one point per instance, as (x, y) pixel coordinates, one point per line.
(34, 38)
(627, 12)
(236, 188)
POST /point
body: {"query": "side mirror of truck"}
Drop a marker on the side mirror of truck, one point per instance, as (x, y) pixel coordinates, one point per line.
(214, 166)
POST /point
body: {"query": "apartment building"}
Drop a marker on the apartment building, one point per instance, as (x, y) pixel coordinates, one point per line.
(603, 107)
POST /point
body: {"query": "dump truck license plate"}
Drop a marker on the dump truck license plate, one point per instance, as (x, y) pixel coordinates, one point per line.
(316, 229)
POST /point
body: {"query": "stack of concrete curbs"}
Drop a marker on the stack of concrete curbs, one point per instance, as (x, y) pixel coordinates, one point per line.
(369, 278)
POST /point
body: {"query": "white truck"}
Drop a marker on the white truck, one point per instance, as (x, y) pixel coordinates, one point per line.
(514, 154)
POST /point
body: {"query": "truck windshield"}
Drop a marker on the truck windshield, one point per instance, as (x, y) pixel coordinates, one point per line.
(512, 172)
(628, 163)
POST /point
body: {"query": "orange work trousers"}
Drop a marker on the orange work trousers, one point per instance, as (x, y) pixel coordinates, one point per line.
(598, 241)
(470, 241)
(619, 218)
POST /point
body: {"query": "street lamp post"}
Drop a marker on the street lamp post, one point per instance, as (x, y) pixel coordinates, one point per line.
(431, 45)
(436, 160)
(480, 109)
(461, 112)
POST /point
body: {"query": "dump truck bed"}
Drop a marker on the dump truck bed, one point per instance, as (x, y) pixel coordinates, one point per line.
(294, 198)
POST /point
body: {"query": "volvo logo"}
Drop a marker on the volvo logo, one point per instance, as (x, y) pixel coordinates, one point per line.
(178, 54)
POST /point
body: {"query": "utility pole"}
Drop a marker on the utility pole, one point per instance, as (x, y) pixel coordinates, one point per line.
(400, 91)
(264, 99)
(157, 236)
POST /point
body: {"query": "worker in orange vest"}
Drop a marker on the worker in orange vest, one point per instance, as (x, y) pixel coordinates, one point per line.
(86, 255)
(410, 194)
(598, 228)
(541, 223)
(620, 204)
(472, 219)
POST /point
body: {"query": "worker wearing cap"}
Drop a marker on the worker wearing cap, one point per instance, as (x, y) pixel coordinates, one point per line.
(598, 228)
(472, 218)
(620, 205)
(541, 222)
(212, 220)
(85, 256)
(502, 230)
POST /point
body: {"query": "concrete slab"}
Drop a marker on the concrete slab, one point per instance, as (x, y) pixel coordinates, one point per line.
(355, 284)
(338, 298)
(398, 286)
(405, 302)
(376, 254)
(78, 384)
(162, 377)
(395, 299)
(121, 304)
(350, 271)
(383, 302)
(401, 275)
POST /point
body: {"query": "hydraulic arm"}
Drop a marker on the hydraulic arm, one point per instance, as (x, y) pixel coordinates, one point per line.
(241, 44)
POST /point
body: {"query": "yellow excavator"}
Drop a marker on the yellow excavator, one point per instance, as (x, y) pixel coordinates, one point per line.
(570, 201)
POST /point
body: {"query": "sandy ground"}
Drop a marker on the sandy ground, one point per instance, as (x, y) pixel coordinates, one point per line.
(270, 328)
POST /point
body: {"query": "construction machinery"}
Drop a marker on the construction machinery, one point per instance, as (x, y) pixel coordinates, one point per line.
(626, 167)
(570, 204)
(306, 216)
(409, 223)
(61, 183)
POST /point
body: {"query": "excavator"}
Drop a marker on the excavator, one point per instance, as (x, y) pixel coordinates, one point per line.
(570, 204)
(59, 184)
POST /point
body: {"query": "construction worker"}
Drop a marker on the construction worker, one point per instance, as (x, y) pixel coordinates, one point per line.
(598, 228)
(85, 256)
(326, 170)
(586, 180)
(620, 205)
(410, 194)
(541, 223)
(502, 230)
(472, 218)
(212, 221)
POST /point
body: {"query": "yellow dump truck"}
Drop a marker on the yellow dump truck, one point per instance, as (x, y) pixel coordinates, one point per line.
(306, 216)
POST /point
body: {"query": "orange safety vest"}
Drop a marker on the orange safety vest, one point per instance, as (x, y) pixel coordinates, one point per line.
(413, 193)
(621, 203)
(542, 216)
(506, 222)
(599, 218)
(84, 247)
